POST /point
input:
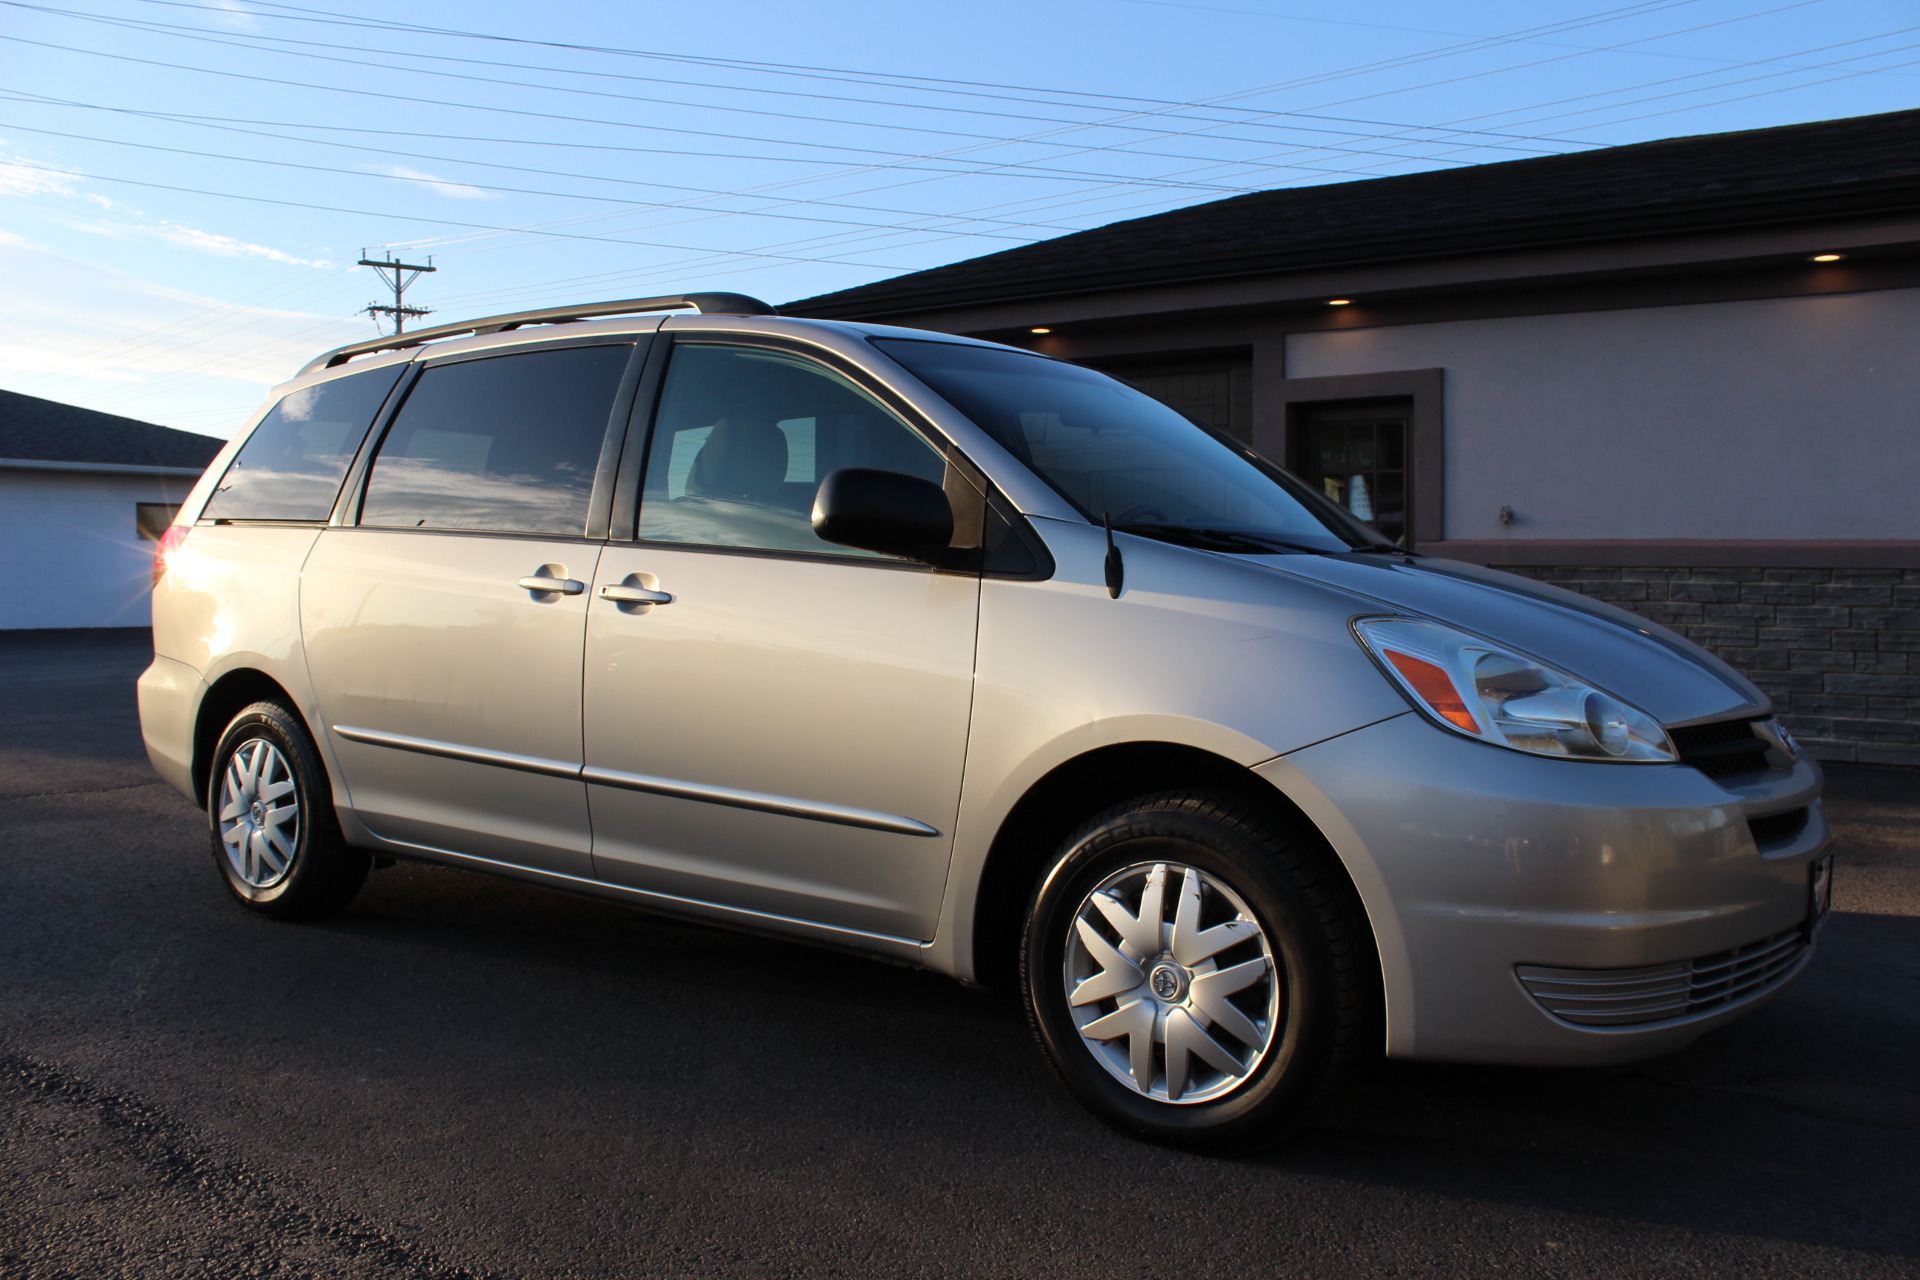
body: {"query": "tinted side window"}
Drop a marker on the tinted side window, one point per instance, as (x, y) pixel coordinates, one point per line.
(507, 444)
(745, 435)
(290, 468)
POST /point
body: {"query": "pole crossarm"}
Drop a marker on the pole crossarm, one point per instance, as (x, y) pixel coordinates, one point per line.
(397, 275)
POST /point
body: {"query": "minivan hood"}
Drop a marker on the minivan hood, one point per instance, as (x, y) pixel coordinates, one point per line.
(1665, 675)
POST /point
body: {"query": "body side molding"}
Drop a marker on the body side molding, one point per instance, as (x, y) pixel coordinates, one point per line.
(818, 811)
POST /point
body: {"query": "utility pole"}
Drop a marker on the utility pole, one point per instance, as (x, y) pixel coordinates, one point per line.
(398, 282)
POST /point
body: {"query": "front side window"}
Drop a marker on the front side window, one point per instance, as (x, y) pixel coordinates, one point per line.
(1117, 454)
(291, 467)
(743, 437)
(508, 444)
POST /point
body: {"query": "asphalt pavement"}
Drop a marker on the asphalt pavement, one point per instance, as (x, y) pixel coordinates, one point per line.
(466, 1078)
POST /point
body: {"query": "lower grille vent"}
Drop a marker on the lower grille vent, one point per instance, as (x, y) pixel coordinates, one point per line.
(1775, 827)
(1658, 993)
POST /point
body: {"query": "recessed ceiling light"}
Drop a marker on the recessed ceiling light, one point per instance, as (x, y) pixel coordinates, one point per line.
(1827, 257)
(1040, 329)
(1339, 302)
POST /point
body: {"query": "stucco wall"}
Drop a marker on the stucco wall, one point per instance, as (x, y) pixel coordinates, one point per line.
(73, 557)
(1784, 418)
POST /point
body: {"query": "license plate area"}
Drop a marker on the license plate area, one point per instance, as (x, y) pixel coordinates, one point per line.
(1819, 891)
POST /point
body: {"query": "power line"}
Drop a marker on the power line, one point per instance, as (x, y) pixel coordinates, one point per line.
(1273, 156)
(1009, 167)
(416, 180)
(410, 217)
(235, 41)
(1104, 181)
(1026, 169)
(1006, 167)
(937, 84)
(230, 125)
(1730, 84)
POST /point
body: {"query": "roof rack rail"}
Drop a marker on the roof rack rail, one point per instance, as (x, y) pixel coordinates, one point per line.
(732, 304)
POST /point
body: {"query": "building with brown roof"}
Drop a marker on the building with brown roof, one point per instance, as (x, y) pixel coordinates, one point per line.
(1683, 376)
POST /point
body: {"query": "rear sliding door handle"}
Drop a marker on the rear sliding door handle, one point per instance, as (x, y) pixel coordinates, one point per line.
(626, 593)
(543, 585)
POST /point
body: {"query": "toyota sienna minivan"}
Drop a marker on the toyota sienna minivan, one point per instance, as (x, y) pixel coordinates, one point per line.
(971, 658)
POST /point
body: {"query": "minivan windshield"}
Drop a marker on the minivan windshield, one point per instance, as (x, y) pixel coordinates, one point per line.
(1116, 453)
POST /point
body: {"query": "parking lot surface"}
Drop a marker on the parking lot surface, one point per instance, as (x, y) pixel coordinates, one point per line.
(463, 1077)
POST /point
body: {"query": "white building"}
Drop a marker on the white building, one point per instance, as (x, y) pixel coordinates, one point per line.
(83, 497)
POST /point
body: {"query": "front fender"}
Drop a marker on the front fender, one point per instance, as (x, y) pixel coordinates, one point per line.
(1198, 650)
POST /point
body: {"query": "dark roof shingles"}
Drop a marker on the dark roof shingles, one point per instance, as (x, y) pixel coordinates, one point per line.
(36, 430)
(1860, 164)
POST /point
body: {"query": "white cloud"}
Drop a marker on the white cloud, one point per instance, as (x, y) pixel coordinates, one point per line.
(85, 333)
(445, 187)
(226, 246)
(19, 179)
(234, 14)
(132, 224)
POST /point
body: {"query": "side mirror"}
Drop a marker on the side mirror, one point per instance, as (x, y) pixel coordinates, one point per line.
(885, 511)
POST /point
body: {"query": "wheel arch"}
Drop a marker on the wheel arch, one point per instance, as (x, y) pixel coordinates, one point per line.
(222, 701)
(1074, 791)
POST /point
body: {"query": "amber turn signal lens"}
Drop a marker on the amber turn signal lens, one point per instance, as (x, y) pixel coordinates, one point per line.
(1436, 689)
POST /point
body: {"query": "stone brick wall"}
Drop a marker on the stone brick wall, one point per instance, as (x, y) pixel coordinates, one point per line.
(1837, 649)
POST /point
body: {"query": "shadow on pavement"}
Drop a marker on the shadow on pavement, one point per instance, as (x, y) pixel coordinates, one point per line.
(530, 1083)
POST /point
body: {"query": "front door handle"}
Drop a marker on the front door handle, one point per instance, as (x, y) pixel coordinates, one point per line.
(543, 583)
(625, 593)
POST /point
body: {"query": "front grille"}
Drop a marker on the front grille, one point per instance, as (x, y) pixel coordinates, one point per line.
(1663, 992)
(1721, 750)
(1778, 826)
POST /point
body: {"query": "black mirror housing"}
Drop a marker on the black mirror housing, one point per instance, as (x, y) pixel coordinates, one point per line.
(886, 511)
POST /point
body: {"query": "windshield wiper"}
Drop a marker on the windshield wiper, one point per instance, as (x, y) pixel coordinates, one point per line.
(1232, 541)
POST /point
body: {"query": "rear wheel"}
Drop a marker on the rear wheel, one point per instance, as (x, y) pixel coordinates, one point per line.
(1192, 969)
(270, 814)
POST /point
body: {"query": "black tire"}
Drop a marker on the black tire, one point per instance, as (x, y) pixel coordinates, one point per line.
(319, 872)
(1313, 1006)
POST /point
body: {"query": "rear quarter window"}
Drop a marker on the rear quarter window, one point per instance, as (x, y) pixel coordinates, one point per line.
(291, 466)
(506, 444)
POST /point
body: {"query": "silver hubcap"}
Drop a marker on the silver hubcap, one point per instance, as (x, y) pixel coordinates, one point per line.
(259, 814)
(1172, 982)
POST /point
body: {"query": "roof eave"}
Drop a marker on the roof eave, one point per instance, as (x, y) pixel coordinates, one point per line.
(1811, 205)
(100, 468)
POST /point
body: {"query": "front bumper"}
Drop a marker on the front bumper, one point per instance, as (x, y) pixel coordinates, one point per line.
(1474, 860)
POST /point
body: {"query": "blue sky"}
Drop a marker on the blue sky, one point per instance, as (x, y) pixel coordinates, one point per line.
(185, 185)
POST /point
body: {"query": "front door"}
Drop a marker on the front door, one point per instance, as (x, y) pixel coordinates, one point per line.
(787, 734)
(444, 633)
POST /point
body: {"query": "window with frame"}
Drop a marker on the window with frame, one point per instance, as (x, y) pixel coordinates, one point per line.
(743, 437)
(150, 519)
(1218, 392)
(506, 444)
(1356, 454)
(291, 467)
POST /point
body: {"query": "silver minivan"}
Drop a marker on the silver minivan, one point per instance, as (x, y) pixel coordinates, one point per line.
(970, 658)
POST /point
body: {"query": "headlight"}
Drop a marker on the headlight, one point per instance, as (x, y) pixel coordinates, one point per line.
(1490, 692)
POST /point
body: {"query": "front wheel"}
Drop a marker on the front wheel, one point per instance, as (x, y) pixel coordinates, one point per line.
(1192, 969)
(270, 814)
